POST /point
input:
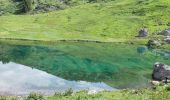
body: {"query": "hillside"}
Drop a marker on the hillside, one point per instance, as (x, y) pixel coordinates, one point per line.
(38, 6)
(104, 21)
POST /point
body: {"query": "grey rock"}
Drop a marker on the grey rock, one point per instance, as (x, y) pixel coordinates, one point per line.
(155, 83)
(153, 43)
(160, 71)
(143, 32)
(165, 32)
(167, 39)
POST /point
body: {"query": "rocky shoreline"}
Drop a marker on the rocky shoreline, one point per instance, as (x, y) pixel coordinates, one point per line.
(160, 74)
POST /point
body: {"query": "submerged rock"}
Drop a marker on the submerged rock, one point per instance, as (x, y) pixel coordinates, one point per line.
(160, 71)
(143, 32)
(165, 32)
(141, 49)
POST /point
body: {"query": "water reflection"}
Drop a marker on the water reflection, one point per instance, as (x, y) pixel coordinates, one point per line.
(97, 65)
(163, 53)
(18, 79)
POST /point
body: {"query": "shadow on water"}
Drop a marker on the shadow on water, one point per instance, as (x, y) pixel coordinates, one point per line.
(117, 65)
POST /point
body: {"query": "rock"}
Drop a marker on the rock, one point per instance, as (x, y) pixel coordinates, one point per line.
(92, 92)
(168, 24)
(167, 39)
(165, 32)
(160, 23)
(160, 71)
(156, 83)
(45, 8)
(143, 32)
(153, 43)
(1, 13)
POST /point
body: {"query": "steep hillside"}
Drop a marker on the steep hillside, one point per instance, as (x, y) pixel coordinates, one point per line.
(105, 21)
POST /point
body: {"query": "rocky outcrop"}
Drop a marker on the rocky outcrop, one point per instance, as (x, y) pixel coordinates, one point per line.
(160, 72)
(165, 32)
(143, 32)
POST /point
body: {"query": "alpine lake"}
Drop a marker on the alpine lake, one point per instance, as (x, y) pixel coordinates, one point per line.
(57, 67)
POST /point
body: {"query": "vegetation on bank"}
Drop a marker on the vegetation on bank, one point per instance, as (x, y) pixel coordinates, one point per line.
(160, 92)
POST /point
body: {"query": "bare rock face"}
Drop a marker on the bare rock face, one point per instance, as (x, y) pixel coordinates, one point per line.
(143, 32)
(165, 32)
(160, 71)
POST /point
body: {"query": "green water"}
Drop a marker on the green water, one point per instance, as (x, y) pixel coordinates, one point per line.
(117, 65)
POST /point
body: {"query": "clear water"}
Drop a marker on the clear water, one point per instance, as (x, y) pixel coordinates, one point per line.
(90, 66)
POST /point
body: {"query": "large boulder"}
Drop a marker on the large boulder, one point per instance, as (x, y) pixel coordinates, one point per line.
(160, 71)
(165, 32)
(143, 32)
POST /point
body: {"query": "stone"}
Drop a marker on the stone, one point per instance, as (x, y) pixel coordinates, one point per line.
(160, 23)
(160, 71)
(165, 32)
(92, 92)
(167, 39)
(168, 24)
(143, 32)
(155, 83)
(1, 13)
(153, 43)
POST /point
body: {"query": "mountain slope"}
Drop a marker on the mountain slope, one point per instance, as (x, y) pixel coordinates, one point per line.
(112, 21)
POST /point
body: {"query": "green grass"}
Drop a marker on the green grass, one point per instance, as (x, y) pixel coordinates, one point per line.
(115, 21)
(158, 93)
(144, 94)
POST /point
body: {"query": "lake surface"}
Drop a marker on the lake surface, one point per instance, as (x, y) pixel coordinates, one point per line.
(80, 66)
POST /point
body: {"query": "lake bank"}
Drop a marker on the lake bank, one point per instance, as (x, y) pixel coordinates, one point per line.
(155, 93)
(134, 41)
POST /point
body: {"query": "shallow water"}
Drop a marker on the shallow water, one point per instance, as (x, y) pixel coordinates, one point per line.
(90, 66)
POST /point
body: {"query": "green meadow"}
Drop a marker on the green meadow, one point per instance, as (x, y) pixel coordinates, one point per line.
(113, 21)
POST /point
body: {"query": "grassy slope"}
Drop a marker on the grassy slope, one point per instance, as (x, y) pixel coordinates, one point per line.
(112, 21)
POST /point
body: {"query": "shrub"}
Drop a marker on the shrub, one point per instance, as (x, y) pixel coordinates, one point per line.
(35, 96)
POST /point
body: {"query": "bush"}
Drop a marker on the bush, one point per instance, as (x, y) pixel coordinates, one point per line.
(35, 96)
(68, 92)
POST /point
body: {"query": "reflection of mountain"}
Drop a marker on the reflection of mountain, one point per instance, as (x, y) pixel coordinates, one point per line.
(18, 79)
(119, 66)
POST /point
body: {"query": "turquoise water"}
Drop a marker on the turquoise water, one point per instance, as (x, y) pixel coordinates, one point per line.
(92, 66)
